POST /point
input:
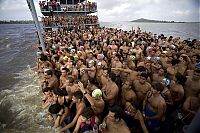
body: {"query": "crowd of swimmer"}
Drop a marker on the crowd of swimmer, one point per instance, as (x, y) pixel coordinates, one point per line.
(53, 5)
(63, 21)
(113, 81)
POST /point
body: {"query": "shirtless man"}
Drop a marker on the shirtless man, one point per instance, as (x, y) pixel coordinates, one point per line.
(141, 87)
(138, 51)
(154, 108)
(69, 85)
(100, 60)
(192, 84)
(63, 77)
(113, 122)
(80, 105)
(158, 77)
(192, 104)
(96, 101)
(116, 64)
(127, 94)
(114, 46)
(91, 70)
(50, 80)
(124, 48)
(109, 89)
(83, 73)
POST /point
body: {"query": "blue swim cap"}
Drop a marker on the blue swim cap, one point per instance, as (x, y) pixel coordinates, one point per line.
(38, 53)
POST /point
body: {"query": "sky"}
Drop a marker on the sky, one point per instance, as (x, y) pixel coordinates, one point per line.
(117, 10)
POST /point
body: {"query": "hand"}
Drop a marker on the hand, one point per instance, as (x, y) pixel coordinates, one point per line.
(80, 85)
(138, 115)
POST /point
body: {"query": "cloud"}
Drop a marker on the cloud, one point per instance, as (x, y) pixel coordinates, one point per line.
(118, 10)
(180, 12)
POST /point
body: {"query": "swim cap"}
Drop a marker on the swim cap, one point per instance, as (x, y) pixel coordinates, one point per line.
(96, 93)
(53, 47)
(109, 46)
(132, 57)
(73, 50)
(157, 58)
(91, 61)
(167, 81)
(69, 48)
(38, 53)
(65, 58)
(81, 47)
(76, 58)
(197, 65)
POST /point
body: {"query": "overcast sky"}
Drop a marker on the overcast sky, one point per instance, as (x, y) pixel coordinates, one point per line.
(118, 10)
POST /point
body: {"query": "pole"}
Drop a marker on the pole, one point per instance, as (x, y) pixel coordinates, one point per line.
(35, 19)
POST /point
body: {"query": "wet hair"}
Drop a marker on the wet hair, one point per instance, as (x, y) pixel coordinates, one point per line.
(135, 104)
(43, 57)
(144, 75)
(55, 108)
(175, 61)
(142, 69)
(49, 72)
(181, 79)
(78, 94)
(88, 112)
(58, 91)
(118, 111)
(158, 86)
(46, 64)
(46, 89)
(65, 69)
(71, 80)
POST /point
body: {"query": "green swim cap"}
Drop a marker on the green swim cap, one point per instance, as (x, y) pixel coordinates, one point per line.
(132, 57)
(96, 93)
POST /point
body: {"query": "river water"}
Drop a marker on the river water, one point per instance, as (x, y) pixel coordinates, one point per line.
(20, 102)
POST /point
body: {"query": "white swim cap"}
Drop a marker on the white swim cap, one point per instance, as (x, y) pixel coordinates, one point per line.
(96, 93)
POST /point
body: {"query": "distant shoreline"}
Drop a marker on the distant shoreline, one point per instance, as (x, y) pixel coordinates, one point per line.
(17, 22)
(142, 20)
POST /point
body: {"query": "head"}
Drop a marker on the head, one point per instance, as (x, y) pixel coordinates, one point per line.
(47, 91)
(91, 63)
(64, 71)
(161, 72)
(158, 87)
(87, 113)
(80, 62)
(127, 84)
(181, 79)
(97, 93)
(77, 96)
(69, 81)
(196, 74)
(55, 108)
(143, 78)
(48, 74)
(115, 113)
